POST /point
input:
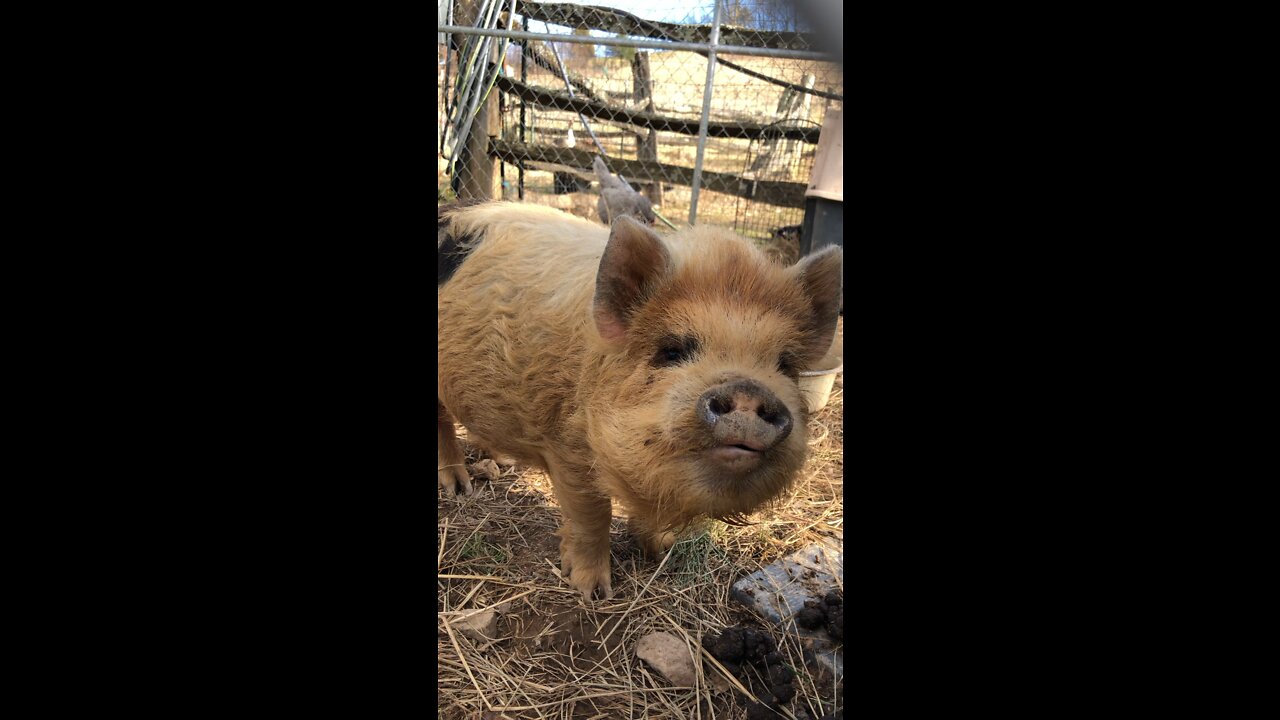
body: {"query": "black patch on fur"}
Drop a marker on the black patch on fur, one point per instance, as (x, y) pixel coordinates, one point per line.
(450, 255)
(451, 251)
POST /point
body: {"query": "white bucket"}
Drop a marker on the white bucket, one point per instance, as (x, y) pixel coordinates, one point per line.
(815, 386)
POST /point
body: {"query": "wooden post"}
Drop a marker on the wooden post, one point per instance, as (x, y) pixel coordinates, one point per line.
(799, 110)
(646, 145)
(476, 173)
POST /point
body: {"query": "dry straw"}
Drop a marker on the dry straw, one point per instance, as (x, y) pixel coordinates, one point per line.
(554, 655)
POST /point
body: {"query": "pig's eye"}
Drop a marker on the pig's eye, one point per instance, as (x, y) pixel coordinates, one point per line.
(673, 351)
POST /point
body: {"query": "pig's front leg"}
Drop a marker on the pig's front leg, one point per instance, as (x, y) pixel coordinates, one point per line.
(654, 541)
(584, 536)
(451, 471)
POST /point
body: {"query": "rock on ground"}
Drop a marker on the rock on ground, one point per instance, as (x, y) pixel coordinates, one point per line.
(481, 626)
(668, 655)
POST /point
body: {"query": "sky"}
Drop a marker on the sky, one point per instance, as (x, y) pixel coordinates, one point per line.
(668, 10)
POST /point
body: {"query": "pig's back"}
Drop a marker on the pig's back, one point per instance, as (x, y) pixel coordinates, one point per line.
(512, 320)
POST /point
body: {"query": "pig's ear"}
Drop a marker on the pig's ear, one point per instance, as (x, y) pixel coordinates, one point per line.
(635, 262)
(821, 275)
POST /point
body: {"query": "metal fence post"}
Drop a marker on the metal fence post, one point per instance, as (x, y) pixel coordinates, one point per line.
(706, 114)
(524, 78)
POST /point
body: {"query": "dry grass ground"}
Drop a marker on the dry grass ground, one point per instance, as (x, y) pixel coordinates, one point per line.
(555, 655)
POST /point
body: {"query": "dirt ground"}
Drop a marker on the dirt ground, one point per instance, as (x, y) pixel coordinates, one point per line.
(554, 655)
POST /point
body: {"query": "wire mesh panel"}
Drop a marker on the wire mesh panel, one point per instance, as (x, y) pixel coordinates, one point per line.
(773, 157)
(529, 99)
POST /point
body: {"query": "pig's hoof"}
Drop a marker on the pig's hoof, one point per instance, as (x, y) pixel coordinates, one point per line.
(592, 583)
(658, 545)
(591, 579)
(454, 479)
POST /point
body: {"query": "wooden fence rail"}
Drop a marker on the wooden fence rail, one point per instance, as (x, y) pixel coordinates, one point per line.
(776, 192)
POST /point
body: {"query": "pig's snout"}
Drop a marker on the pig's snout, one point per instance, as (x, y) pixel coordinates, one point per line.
(745, 419)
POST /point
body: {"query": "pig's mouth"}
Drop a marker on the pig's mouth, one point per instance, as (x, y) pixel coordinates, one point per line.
(738, 456)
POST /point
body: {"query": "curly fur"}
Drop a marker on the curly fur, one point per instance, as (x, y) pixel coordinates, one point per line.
(542, 362)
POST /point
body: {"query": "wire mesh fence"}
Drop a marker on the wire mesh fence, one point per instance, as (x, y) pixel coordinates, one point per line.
(712, 110)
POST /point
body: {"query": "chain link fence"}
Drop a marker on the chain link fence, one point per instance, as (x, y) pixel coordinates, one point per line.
(712, 110)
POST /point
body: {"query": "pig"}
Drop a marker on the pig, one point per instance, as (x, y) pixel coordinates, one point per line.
(618, 198)
(657, 371)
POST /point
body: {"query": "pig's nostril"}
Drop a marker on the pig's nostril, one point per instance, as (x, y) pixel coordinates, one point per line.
(720, 406)
(712, 406)
(778, 417)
